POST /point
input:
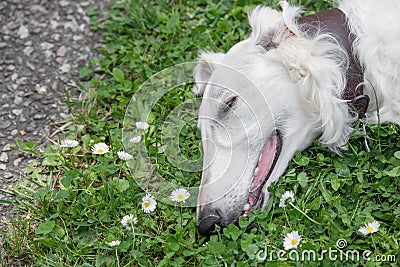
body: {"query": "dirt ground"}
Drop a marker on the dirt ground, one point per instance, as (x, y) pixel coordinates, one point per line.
(43, 45)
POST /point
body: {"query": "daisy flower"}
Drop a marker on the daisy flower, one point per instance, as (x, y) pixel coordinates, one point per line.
(114, 243)
(128, 221)
(100, 148)
(142, 125)
(69, 143)
(292, 240)
(287, 195)
(124, 155)
(149, 203)
(180, 195)
(135, 139)
(369, 228)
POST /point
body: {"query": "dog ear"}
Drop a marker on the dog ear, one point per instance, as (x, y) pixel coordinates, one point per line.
(204, 68)
(270, 27)
(318, 69)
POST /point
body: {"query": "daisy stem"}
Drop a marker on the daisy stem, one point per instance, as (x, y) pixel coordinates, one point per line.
(302, 212)
(287, 218)
(116, 254)
(133, 232)
(181, 217)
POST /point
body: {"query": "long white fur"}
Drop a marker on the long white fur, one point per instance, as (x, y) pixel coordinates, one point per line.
(377, 27)
(303, 78)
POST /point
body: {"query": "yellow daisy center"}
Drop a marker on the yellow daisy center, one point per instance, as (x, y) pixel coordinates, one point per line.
(370, 229)
(180, 196)
(100, 150)
(146, 203)
(294, 241)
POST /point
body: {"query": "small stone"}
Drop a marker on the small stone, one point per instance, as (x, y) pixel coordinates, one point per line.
(23, 32)
(14, 132)
(37, 8)
(7, 175)
(23, 80)
(18, 100)
(17, 112)
(17, 161)
(42, 90)
(3, 157)
(3, 167)
(85, 4)
(62, 51)
(22, 118)
(14, 77)
(11, 68)
(12, 25)
(4, 124)
(64, 115)
(65, 68)
(56, 37)
(71, 25)
(46, 45)
(28, 50)
(39, 116)
(64, 3)
(6, 147)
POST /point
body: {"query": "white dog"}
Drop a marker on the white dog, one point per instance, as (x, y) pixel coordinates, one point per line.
(293, 80)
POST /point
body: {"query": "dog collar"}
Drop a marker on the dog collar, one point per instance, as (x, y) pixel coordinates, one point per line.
(334, 22)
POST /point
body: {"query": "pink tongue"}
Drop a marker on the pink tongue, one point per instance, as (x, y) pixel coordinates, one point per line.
(264, 165)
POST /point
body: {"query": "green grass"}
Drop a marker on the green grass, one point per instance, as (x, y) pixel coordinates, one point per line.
(70, 205)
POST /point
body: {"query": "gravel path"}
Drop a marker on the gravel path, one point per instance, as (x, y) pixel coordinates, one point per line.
(43, 45)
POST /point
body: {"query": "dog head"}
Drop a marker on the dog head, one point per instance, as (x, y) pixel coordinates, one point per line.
(267, 97)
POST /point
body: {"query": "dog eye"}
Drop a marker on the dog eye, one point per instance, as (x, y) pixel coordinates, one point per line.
(231, 101)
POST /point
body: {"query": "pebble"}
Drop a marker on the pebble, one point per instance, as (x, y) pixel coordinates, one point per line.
(46, 45)
(41, 90)
(17, 161)
(28, 50)
(12, 25)
(14, 132)
(61, 51)
(3, 167)
(7, 147)
(65, 68)
(23, 32)
(39, 116)
(17, 112)
(4, 124)
(3, 157)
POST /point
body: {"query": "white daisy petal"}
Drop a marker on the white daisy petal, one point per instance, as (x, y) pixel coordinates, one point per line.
(124, 155)
(135, 139)
(100, 148)
(369, 228)
(292, 240)
(69, 143)
(114, 243)
(128, 221)
(149, 203)
(180, 195)
(142, 125)
(287, 195)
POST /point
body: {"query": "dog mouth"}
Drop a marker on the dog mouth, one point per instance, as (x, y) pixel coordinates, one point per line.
(266, 163)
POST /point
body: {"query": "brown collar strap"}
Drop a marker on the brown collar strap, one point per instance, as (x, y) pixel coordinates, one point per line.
(334, 22)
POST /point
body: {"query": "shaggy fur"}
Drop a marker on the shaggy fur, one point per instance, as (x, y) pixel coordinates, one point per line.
(302, 79)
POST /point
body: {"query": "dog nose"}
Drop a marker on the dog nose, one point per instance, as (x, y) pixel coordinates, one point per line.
(206, 225)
